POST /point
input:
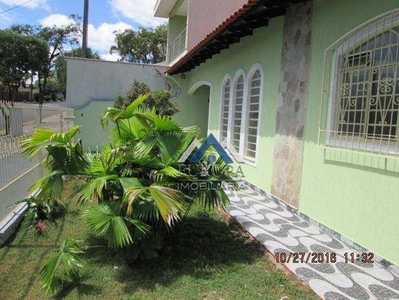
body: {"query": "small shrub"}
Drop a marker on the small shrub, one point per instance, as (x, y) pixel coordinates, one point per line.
(160, 100)
(43, 211)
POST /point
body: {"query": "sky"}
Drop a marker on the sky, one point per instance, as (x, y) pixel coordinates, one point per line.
(105, 17)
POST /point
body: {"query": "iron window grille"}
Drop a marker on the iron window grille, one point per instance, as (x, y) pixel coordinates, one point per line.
(360, 102)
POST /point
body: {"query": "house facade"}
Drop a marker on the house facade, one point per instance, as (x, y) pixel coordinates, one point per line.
(307, 93)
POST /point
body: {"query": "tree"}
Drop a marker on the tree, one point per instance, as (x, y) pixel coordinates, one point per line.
(160, 100)
(56, 37)
(147, 45)
(20, 56)
(11, 66)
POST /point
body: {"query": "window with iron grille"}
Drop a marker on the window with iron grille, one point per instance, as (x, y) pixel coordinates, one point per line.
(361, 89)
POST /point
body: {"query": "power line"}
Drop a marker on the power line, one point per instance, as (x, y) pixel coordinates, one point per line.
(16, 6)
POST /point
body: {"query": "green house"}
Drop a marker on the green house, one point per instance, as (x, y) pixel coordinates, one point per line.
(307, 94)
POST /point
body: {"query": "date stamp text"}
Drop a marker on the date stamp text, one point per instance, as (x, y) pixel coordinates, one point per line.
(323, 257)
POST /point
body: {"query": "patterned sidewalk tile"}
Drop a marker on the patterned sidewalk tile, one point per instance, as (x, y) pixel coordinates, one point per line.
(297, 242)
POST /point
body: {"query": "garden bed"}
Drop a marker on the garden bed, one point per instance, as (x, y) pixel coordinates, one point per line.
(203, 259)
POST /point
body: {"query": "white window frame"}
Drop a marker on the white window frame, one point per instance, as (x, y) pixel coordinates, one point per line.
(237, 76)
(225, 79)
(256, 67)
(358, 36)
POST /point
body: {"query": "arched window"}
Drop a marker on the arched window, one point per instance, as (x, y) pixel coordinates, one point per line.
(237, 112)
(240, 109)
(225, 109)
(252, 114)
(363, 88)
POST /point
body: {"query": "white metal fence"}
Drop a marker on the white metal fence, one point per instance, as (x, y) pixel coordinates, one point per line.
(18, 121)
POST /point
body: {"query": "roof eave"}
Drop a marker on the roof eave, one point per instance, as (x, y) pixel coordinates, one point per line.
(163, 8)
(253, 14)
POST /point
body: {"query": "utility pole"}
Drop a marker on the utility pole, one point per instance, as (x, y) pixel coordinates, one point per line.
(85, 25)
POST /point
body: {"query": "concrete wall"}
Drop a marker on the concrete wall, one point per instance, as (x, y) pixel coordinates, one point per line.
(92, 86)
(91, 79)
(205, 15)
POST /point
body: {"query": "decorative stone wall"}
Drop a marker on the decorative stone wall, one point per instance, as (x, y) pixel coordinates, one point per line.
(292, 103)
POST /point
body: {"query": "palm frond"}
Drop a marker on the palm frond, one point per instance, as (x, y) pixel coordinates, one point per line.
(193, 130)
(62, 153)
(106, 161)
(172, 145)
(70, 161)
(97, 187)
(32, 145)
(139, 205)
(66, 137)
(146, 120)
(42, 137)
(167, 201)
(49, 187)
(64, 263)
(211, 198)
(166, 123)
(128, 131)
(144, 146)
(115, 114)
(111, 113)
(169, 171)
(146, 211)
(107, 220)
(133, 189)
(132, 108)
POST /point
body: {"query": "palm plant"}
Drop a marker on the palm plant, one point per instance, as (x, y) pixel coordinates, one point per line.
(138, 172)
(136, 180)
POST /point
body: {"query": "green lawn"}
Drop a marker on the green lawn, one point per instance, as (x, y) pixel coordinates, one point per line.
(203, 259)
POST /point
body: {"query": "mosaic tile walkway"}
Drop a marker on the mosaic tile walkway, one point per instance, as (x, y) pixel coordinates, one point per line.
(282, 231)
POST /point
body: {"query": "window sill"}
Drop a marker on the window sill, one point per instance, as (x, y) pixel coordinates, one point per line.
(250, 161)
(377, 147)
